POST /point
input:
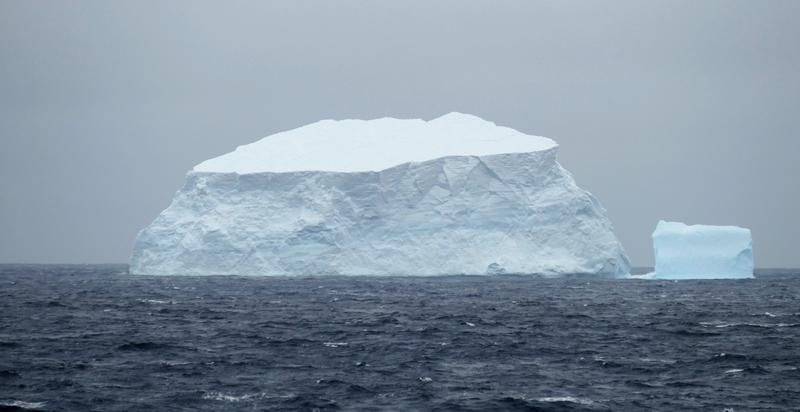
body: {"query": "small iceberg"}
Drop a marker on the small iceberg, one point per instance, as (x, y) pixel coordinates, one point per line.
(702, 252)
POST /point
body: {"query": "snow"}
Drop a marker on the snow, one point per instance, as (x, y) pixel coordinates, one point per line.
(702, 251)
(373, 145)
(455, 195)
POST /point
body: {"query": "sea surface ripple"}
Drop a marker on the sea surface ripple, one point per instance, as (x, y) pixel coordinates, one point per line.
(92, 337)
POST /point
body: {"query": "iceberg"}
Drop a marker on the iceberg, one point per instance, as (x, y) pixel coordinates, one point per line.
(453, 195)
(702, 251)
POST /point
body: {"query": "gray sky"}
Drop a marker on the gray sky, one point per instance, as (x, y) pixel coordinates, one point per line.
(678, 110)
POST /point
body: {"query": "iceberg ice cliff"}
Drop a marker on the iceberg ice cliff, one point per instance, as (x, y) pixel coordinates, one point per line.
(702, 252)
(454, 195)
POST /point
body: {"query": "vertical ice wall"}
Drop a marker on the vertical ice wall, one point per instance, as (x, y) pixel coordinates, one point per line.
(702, 251)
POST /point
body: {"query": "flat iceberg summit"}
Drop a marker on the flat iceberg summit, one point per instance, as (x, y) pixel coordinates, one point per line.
(454, 195)
(373, 145)
(702, 251)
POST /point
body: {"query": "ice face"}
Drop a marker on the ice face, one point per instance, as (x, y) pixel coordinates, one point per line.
(702, 252)
(498, 204)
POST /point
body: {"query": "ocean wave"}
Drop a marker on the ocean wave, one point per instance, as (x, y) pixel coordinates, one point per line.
(717, 324)
(219, 396)
(23, 404)
(224, 397)
(570, 399)
(727, 357)
(157, 301)
(224, 348)
(134, 346)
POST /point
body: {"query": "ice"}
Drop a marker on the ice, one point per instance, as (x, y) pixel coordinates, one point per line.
(374, 145)
(702, 251)
(454, 195)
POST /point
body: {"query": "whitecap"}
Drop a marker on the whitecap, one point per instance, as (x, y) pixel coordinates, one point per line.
(174, 363)
(570, 399)
(718, 324)
(224, 397)
(23, 404)
(219, 396)
(335, 344)
(734, 370)
(761, 325)
(156, 301)
(657, 360)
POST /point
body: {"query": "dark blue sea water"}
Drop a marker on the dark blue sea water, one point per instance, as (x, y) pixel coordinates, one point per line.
(80, 338)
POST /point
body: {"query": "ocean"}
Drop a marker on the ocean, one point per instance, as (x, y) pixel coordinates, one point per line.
(94, 338)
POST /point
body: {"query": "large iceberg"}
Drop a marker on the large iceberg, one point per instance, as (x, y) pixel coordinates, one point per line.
(454, 195)
(702, 251)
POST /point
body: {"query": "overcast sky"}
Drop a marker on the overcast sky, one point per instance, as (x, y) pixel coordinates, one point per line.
(676, 110)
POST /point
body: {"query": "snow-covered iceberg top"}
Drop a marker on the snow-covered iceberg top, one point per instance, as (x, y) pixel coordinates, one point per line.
(374, 145)
(702, 251)
(454, 195)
